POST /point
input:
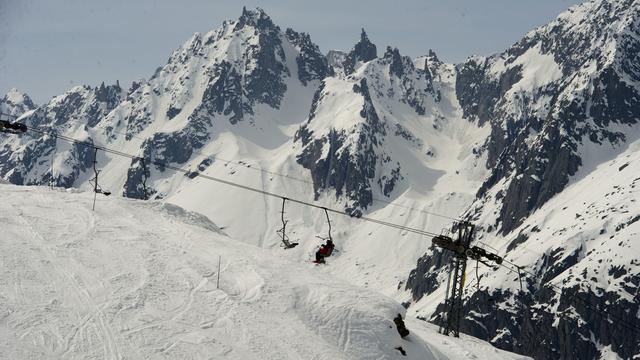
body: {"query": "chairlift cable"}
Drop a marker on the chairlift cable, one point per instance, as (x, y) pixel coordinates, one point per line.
(552, 286)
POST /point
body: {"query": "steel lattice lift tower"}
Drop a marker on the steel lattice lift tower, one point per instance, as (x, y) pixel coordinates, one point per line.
(462, 250)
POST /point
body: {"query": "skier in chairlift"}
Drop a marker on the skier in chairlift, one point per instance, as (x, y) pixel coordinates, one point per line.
(324, 251)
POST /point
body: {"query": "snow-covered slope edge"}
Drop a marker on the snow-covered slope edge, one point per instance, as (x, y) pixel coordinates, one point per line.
(136, 279)
(583, 241)
(562, 103)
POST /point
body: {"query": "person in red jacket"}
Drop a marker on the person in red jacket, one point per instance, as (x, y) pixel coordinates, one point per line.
(324, 251)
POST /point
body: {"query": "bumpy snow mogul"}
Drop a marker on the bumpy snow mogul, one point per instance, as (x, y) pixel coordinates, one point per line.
(139, 280)
(538, 143)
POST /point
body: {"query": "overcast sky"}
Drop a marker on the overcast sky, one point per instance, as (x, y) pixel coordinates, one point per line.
(48, 46)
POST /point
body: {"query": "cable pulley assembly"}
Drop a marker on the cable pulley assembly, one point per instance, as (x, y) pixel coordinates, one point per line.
(462, 250)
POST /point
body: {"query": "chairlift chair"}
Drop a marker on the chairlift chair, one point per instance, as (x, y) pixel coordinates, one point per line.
(328, 238)
(286, 244)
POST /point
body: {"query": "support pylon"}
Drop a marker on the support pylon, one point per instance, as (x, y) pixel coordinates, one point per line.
(457, 277)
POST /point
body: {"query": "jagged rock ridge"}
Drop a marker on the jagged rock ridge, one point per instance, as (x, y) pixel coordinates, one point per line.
(361, 127)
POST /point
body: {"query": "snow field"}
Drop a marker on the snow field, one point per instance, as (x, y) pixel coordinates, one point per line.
(137, 280)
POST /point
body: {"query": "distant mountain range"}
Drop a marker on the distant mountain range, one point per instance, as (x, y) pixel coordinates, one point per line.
(536, 145)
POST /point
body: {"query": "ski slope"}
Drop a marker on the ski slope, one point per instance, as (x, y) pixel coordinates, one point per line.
(136, 280)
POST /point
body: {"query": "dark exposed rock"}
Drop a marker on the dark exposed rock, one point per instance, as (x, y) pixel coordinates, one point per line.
(312, 65)
(254, 18)
(107, 98)
(224, 94)
(166, 149)
(402, 71)
(533, 151)
(363, 51)
(424, 278)
(82, 107)
(137, 174)
(478, 92)
(536, 174)
(265, 65)
(350, 171)
(520, 239)
(543, 322)
(396, 67)
(537, 171)
(173, 112)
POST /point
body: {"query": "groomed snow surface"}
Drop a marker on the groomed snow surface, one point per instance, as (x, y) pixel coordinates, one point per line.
(138, 280)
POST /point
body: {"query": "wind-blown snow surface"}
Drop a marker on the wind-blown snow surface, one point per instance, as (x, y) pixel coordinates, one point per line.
(137, 280)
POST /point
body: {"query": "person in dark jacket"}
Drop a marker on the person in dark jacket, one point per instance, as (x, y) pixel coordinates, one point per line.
(329, 247)
(324, 251)
(320, 255)
(402, 329)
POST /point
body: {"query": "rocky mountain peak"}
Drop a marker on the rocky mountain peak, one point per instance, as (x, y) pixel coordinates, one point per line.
(17, 97)
(255, 18)
(395, 61)
(565, 87)
(109, 93)
(312, 64)
(16, 103)
(364, 51)
(593, 32)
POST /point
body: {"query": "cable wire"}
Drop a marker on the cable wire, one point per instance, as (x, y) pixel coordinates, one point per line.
(248, 188)
(248, 166)
(557, 289)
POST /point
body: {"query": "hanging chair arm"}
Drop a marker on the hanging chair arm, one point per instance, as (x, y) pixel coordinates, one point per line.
(326, 212)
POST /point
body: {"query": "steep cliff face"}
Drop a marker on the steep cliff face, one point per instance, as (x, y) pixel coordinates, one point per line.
(362, 52)
(563, 107)
(565, 87)
(350, 152)
(312, 65)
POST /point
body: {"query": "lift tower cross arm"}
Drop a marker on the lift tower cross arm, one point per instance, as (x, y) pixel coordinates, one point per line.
(462, 250)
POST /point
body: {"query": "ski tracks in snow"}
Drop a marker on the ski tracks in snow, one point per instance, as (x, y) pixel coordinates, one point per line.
(135, 281)
(84, 300)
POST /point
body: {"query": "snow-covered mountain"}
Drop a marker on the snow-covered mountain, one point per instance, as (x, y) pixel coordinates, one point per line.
(27, 160)
(15, 103)
(563, 105)
(503, 140)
